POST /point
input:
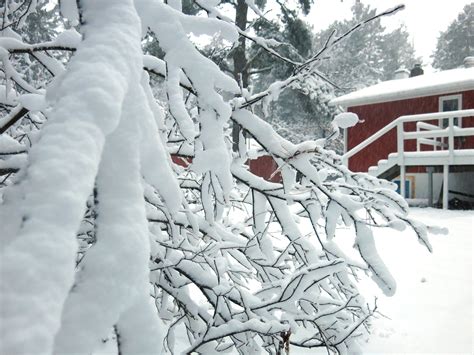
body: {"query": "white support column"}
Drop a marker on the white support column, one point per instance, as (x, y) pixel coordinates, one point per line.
(430, 171)
(445, 186)
(402, 180)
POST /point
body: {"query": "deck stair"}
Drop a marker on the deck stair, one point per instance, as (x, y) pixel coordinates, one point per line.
(437, 136)
(386, 168)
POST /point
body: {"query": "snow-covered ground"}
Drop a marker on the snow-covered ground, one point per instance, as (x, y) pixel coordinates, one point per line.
(432, 310)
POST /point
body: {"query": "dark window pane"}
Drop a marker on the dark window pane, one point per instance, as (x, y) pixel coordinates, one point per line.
(450, 105)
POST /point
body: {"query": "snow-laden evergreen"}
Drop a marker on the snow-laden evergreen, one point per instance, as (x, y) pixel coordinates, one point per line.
(106, 239)
(456, 42)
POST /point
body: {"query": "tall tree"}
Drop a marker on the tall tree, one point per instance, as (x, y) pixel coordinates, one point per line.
(302, 112)
(397, 52)
(241, 65)
(371, 54)
(456, 42)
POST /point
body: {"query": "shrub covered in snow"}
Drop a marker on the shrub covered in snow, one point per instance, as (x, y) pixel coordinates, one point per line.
(105, 240)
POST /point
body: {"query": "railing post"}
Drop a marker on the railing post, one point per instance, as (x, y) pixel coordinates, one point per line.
(401, 157)
(451, 139)
(418, 144)
(400, 141)
(345, 140)
(345, 161)
(440, 139)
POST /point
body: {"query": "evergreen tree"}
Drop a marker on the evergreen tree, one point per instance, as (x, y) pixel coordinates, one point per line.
(369, 56)
(397, 52)
(302, 112)
(457, 42)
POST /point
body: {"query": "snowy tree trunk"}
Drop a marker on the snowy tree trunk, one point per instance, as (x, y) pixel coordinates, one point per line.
(114, 274)
(39, 244)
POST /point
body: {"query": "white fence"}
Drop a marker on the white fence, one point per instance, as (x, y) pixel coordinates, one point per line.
(440, 137)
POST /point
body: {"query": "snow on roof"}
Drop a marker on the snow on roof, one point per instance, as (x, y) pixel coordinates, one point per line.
(447, 81)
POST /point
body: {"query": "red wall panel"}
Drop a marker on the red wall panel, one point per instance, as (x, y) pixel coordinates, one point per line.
(468, 102)
(181, 161)
(265, 166)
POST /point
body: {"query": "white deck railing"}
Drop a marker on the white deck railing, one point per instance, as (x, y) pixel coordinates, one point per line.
(435, 143)
(426, 134)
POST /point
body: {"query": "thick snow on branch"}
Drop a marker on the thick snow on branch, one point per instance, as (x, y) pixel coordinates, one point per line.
(106, 287)
(59, 177)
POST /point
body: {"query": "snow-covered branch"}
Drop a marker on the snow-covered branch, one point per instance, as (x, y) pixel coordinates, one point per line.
(126, 215)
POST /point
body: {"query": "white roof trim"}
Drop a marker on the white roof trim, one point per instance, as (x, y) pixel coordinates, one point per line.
(444, 82)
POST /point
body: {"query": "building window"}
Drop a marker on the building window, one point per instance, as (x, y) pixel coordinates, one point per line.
(450, 103)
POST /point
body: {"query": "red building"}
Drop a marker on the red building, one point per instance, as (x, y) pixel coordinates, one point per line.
(403, 134)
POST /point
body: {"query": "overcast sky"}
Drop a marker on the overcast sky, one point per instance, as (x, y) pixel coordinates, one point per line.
(424, 19)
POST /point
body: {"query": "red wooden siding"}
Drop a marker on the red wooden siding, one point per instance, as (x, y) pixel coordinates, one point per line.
(181, 161)
(263, 166)
(468, 102)
(377, 116)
